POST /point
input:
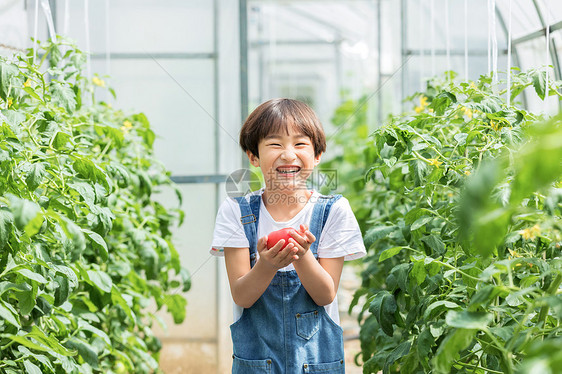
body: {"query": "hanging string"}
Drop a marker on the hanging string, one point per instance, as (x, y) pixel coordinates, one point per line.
(494, 49)
(465, 41)
(508, 99)
(107, 52)
(66, 18)
(421, 46)
(432, 20)
(35, 30)
(87, 26)
(447, 45)
(49, 17)
(547, 21)
(489, 36)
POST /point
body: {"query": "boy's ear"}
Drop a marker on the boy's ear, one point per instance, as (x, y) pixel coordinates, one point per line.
(317, 159)
(254, 160)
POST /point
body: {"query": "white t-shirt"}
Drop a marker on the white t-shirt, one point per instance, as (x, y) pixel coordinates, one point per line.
(341, 236)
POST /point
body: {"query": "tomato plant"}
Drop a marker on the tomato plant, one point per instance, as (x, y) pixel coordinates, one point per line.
(84, 246)
(462, 210)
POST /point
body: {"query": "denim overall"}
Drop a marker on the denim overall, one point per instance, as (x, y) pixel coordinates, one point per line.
(285, 331)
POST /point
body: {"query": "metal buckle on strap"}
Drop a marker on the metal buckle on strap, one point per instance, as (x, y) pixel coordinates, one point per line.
(253, 219)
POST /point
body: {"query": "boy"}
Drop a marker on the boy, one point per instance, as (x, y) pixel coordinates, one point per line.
(285, 305)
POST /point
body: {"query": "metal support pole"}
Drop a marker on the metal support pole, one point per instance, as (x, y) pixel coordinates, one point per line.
(403, 48)
(243, 27)
(514, 54)
(553, 50)
(379, 63)
(216, 114)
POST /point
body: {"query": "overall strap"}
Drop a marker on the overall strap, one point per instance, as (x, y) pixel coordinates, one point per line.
(319, 217)
(250, 212)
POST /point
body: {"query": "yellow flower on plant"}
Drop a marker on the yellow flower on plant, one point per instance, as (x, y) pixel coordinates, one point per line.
(423, 104)
(435, 162)
(467, 112)
(513, 253)
(127, 126)
(27, 83)
(10, 102)
(98, 82)
(473, 86)
(467, 172)
(530, 233)
(494, 125)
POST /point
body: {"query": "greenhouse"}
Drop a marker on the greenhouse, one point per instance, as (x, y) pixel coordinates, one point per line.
(280, 186)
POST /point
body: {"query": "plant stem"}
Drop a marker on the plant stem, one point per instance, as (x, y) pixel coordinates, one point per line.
(550, 291)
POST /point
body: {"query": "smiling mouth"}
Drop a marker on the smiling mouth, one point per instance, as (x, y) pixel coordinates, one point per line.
(288, 171)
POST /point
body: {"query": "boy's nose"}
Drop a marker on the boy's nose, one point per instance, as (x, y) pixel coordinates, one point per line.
(288, 155)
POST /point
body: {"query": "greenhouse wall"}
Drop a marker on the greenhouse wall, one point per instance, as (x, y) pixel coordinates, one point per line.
(181, 63)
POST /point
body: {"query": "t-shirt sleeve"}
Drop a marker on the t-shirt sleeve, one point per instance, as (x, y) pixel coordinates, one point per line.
(228, 229)
(341, 236)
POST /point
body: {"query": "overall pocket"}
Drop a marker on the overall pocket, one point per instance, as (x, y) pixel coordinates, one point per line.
(243, 366)
(307, 324)
(336, 367)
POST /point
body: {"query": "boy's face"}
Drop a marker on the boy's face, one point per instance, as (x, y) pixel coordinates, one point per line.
(286, 161)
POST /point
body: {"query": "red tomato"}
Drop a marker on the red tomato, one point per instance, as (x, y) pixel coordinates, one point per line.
(275, 236)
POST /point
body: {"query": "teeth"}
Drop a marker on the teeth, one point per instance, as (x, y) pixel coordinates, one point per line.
(288, 171)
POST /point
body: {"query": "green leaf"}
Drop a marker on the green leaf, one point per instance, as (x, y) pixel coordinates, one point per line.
(49, 341)
(434, 242)
(26, 300)
(6, 226)
(35, 176)
(441, 102)
(118, 299)
(397, 353)
(32, 93)
(376, 233)
(23, 211)
(176, 305)
(420, 171)
(83, 325)
(388, 253)
(31, 368)
(64, 96)
(60, 139)
(486, 295)
(7, 72)
(461, 138)
(539, 82)
(420, 222)
(448, 351)
(383, 306)
(98, 243)
(62, 291)
(418, 272)
(438, 307)
(468, 320)
(8, 315)
(34, 225)
(425, 342)
(101, 280)
(85, 190)
(85, 350)
(89, 170)
(32, 275)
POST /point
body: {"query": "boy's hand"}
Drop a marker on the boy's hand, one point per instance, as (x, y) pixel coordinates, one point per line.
(302, 240)
(275, 257)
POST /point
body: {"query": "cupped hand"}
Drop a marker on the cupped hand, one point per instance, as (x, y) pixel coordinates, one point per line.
(275, 257)
(302, 240)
